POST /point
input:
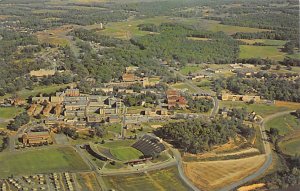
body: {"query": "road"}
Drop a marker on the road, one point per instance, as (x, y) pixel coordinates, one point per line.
(268, 153)
(177, 156)
(199, 91)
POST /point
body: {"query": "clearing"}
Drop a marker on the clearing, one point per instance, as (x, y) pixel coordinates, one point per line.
(270, 52)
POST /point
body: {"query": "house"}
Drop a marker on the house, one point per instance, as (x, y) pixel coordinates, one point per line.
(131, 69)
(33, 138)
(72, 92)
(174, 99)
(245, 98)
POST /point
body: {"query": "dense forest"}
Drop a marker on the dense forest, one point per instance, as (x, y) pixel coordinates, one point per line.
(172, 44)
(199, 135)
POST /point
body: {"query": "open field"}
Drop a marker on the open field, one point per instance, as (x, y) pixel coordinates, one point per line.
(10, 112)
(271, 52)
(44, 160)
(41, 89)
(87, 181)
(216, 174)
(215, 26)
(285, 124)
(291, 147)
(162, 180)
(125, 153)
(264, 41)
(183, 87)
(55, 36)
(260, 109)
(126, 30)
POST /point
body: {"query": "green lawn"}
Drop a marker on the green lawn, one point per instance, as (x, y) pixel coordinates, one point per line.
(165, 179)
(271, 52)
(260, 109)
(291, 147)
(285, 124)
(44, 160)
(125, 153)
(10, 112)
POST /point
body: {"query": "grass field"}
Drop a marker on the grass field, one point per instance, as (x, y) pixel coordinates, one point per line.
(291, 147)
(10, 112)
(127, 30)
(88, 181)
(260, 109)
(271, 52)
(162, 180)
(125, 153)
(215, 26)
(40, 161)
(216, 174)
(265, 41)
(41, 89)
(114, 144)
(285, 124)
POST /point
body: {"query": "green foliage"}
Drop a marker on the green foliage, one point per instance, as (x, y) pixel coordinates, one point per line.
(172, 43)
(200, 104)
(200, 135)
(19, 120)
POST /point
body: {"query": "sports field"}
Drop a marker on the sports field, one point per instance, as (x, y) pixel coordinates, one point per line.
(44, 160)
(162, 180)
(125, 153)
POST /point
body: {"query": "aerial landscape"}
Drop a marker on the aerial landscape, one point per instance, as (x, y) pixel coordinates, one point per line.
(149, 95)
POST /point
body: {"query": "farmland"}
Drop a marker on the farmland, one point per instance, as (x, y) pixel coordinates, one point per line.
(291, 146)
(216, 174)
(165, 179)
(40, 161)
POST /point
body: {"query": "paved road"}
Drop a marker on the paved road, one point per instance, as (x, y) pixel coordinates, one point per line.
(268, 153)
(177, 156)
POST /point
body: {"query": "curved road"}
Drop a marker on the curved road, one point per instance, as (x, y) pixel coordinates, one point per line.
(267, 149)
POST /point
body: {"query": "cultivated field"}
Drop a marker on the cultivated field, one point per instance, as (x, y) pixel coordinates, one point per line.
(44, 160)
(216, 174)
(162, 180)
